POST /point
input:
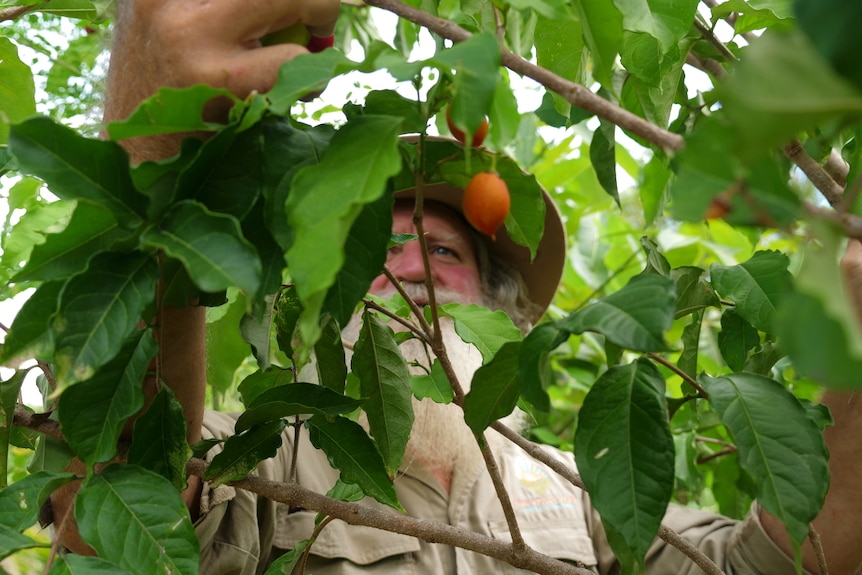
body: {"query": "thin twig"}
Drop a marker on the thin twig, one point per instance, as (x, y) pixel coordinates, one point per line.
(710, 37)
(720, 442)
(575, 94)
(539, 454)
(720, 453)
(4, 328)
(303, 563)
(410, 326)
(38, 422)
(814, 537)
(700, 559)
(731, 19)
(414, 308)
(685, 377)
(852, 225)
(814, 172)
(427, 530)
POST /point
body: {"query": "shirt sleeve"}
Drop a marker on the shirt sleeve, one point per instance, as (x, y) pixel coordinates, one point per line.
(739, 547)
(236, 527)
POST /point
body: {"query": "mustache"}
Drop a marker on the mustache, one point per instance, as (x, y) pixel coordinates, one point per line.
(419, 293)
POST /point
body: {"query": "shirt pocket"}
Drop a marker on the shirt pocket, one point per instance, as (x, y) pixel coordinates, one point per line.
(559, 538)
(345, 549)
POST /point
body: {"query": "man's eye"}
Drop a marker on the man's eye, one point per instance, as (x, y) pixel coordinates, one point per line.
(443, 251)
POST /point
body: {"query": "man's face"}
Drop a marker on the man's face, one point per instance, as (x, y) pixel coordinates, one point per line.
(450, 253)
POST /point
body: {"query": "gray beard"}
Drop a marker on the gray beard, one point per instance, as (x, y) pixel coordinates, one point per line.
(440, 439)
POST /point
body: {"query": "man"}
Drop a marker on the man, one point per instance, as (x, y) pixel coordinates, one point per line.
(161, 42)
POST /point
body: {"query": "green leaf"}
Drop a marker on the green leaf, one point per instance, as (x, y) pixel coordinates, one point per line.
(691, 342)
(384, 383)
(602, 26)
(11, 542)
(389, 103)
(364, 256)
(782, 87)
(225, 342)
(755, 285)
(434, 386)
(30, 335)
(634, 318)
(125, 503)
(550, 9)
(326, 199)
(92, 414)
(98, 309)
(603, 158)
(656, 263)
(736, 338)
(210, 245)
(71, 564)
(625, 456)
(78, 168)
(351, 451)
(17, 90)
(294, 399)
(170, 111)
(287, 562)
(495, 389)
(693, 291)
(534, 370)
(159, 441)
(330, 362)
(90, 231)
(487, 330)
(475, 63)
(666, 20)
(829, 25)
(305, 74)
(262, 380)
(243, 452)
(287, 312)
(777, 444)
(20, 502)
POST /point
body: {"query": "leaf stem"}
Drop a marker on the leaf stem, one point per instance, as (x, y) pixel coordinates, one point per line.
(814, 537)
(685, 377)
(410, 326)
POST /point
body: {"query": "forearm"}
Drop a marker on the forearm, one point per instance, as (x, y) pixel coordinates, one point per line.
(839, 519)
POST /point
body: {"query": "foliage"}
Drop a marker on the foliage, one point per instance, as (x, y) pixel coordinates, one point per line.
(694, 311)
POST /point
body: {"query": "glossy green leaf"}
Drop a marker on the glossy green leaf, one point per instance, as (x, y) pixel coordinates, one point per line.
(262, 380)
(625, 456)
(92, 414)
(434, 386)
(736, 338)
(755, 285)
(534, 370)
(656, 263)
(159, 441)
(91, 230)
(487, 330)
(170, 110)
(475, 64)
(326, 199)
(17, 90)
(287, 562)
(551, 9)
(126, 503)
(305, 74)
(288, 309)
(364, 256)
(687, 361)
(330, 361)
(30, 335)
(777, 444)
(210, 246)
(71, 564)
(693, 291)
(385, 387)
(78, 168)
(351, 451)
(635, 317)
(295, 399)
(98, 309)
(20, 502)
(11, 541)
(242, 453)
(603, 158)
(495, 389)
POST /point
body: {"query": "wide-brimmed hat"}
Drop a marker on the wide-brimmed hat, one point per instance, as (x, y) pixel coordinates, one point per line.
(541, 274)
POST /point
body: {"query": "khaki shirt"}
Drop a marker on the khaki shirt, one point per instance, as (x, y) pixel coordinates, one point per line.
(241, 533)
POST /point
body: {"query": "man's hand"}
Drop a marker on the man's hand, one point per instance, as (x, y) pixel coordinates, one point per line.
(180, 43)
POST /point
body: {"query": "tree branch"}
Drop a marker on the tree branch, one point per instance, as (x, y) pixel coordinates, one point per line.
(431, 531)
(15, 12)
(38, 422)
(575, 94)
(685, 377)
(852, 225)
(700, 559)
(814, 171)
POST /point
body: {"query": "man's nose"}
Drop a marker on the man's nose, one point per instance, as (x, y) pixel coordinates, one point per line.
(407, 265)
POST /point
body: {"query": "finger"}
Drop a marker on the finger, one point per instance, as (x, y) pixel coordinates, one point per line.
(256, 69)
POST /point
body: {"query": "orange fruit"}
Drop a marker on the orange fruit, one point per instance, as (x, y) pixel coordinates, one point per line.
(486, 202)
(459, 134)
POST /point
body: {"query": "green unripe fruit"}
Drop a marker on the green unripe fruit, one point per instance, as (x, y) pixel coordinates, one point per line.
(296, 34)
